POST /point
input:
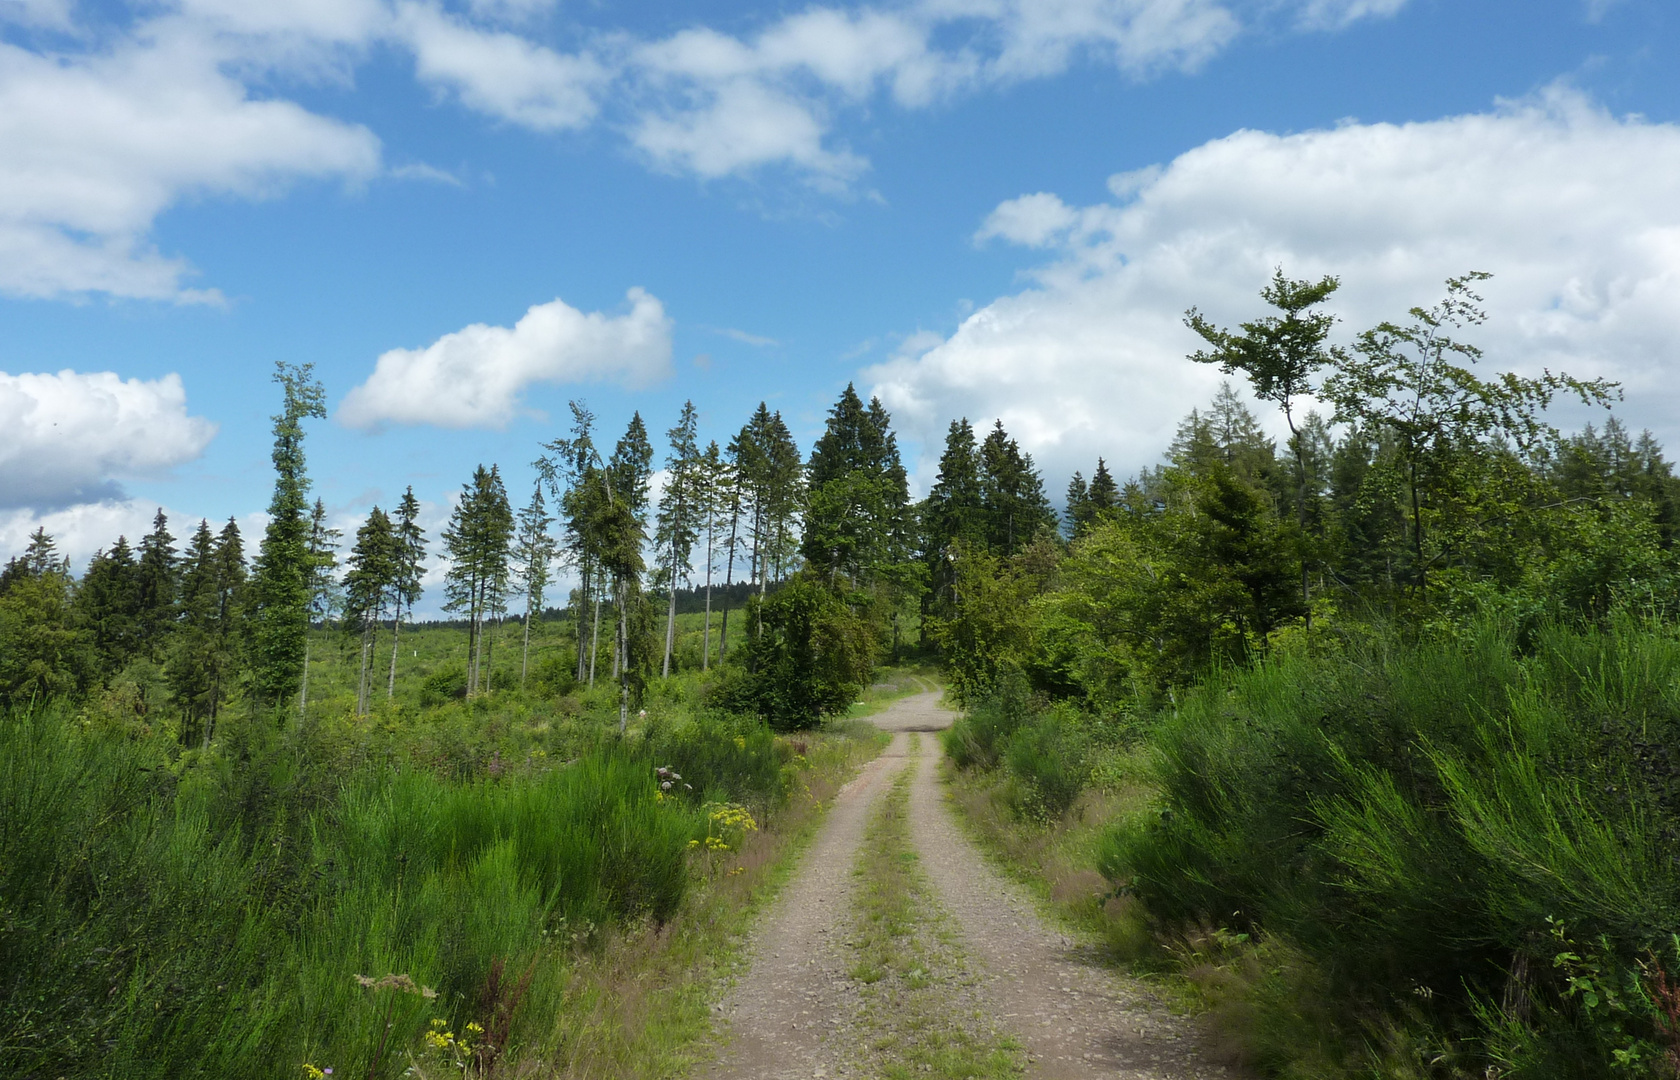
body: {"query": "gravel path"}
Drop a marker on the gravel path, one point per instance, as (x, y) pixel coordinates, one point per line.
(795, 1013)
(786, 1011)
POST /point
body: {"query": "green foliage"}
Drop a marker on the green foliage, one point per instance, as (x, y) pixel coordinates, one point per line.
(204, 915)
(808, 657)
(282, 576)
(1353, 806)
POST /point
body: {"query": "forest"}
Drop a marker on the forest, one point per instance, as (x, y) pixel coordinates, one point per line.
(1373, 732)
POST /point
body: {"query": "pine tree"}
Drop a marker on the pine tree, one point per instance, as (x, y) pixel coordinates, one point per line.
(41, 650)
(324, 592)
(476, 540)
(1012, 494)
(679, 518)
(715, 493)
(533, 556)
(856, 493)
(1075, 515)
(280, 579)
(953, 515)
(155, 586)
(369, 589)
(569, 468)
(623, 532)
(108, 608)
(188, 668)
(229, 625)
(1104, 493)
(411, 559)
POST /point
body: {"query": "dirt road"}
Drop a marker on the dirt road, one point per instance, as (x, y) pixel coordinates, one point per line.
(798, 1012)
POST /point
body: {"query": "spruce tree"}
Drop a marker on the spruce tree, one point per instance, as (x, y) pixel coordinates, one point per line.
(189, 665)
(1012, 494)
(155, 586)
(324, 592)
(280, 578)
(369, 589)
(108, 608)
(953, 514)
(679, 517)
(476, 540)
(411, 559)
(533, 557)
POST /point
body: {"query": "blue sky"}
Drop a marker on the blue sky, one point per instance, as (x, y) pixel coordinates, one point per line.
(991, 208)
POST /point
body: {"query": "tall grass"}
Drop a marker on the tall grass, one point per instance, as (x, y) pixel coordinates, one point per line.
(151, 927)
(1465, 852)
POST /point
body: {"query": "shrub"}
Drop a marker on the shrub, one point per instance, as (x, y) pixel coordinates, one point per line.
(1418, 819)
(978, 739)
(1048, 759)
(807, 656)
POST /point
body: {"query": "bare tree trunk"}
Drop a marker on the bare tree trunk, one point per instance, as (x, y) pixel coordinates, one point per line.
(361, 678)
(585, 570)
(670, 623)
(728, 581)
(706, 633)
(525, 650)
(595, 641)
(624, 668)
(303, 691)
(391, 682)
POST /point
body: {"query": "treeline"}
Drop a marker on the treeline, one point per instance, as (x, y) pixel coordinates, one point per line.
(1403, 689)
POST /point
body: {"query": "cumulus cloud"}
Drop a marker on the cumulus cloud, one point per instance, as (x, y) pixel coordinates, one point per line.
(1576, 212)
(500, 73)
(70, 437)
(475, 377)
(97, 146)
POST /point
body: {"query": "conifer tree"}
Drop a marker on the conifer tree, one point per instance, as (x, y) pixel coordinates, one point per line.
(714, 498)
(411, 559)
(533, 557)
(1012, 494)
(324, 592)
(155, 586)
(188, 667)
(369, 589)
(623, 532)
(108, 608)
(680, 506)
(569, 467)
(280, 580)
(954, 514)
(1078, 495)
(476, 540)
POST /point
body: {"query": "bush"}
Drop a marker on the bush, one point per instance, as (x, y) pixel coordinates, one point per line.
(807, 656)
(722, 761)
(1048, 759)
(1454, 834)
(978, 739)
(445, 684)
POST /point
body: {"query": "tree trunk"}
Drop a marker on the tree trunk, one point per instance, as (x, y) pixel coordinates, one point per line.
(728, 581)
(585, 570)
(1301, 512)
(624, 667)
(391, 682)
(361, 678)
(595, 641)
(706, 633)
(303, 691)
(525, 650)
(670, 627)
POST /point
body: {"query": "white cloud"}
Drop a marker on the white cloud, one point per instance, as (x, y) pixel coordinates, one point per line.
(475, 377)
(1031, 220)
(1576, 212)
(93, 148)
(1336, 14)
(502, 74)
(67, 438)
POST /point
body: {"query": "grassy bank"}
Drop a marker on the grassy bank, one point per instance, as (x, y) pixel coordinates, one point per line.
(343, 895)
(1449, 858)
